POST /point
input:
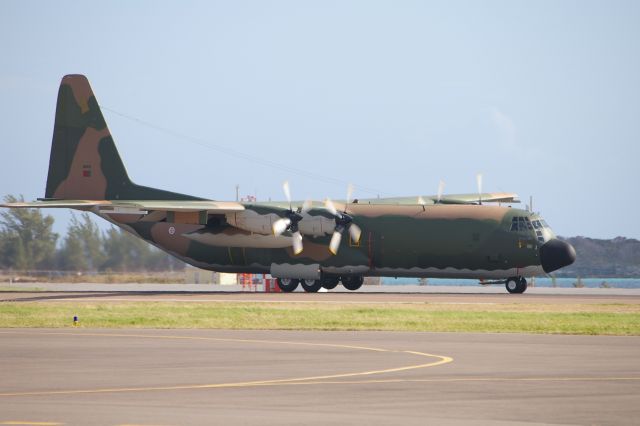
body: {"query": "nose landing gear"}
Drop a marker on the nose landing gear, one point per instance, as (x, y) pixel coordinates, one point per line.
(516, 285)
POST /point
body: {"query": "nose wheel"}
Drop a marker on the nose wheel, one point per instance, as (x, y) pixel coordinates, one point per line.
(516, 285)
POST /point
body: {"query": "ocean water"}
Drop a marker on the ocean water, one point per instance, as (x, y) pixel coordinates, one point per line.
(539, 282)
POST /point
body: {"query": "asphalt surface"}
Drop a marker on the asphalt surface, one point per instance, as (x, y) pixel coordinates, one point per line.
(179, 377)
(329, 297)
(376, 289)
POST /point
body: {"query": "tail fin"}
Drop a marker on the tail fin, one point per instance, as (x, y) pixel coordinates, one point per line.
(84, 162)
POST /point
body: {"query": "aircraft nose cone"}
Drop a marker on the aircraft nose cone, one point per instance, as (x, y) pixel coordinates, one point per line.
(556, 254)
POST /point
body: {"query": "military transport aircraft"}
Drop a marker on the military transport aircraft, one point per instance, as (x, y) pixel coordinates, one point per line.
(315, 244)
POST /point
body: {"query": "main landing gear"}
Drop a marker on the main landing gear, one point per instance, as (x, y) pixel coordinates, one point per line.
(350, 282)
(516, 285)
(287, 285)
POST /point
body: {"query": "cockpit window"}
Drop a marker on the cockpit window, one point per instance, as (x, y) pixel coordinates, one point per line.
(523, 223)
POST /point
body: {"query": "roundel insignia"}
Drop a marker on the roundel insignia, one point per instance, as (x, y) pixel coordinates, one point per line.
(172, 230)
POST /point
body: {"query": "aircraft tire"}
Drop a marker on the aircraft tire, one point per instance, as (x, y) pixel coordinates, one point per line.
(330, 282)
(516, 285)
(311, 286)
(287, 285)
(352, 282)
(523, 284)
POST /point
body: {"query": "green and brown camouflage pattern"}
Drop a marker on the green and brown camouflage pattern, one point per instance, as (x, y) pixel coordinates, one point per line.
(400, 237)
(84, 162)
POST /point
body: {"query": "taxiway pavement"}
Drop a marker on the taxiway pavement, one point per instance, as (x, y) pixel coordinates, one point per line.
(177, 377)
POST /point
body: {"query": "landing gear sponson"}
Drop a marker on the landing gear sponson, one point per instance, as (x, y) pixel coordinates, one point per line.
(350, 282)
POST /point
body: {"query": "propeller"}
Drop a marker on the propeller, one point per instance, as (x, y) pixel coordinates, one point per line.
(344, 222)
(438, 199)
(440, 191)
(479, 182)
(290, 221)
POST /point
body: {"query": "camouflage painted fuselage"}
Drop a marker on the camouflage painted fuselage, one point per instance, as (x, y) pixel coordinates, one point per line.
(465, 241)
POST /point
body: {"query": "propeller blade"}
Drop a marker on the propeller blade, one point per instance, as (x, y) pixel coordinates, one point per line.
(306, 206)
(479, 182)
(421, 201)
(297, 243)
(335, 242)
(329, 206)
(280, 225)
(287, 190)
(440, 190)
(349, 192)
(355, 232)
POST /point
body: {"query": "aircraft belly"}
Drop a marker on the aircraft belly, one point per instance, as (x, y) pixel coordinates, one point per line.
(529, 271)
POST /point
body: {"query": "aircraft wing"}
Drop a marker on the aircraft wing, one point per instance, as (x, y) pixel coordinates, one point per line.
(59, 204)
(116, 206)
(489, 197)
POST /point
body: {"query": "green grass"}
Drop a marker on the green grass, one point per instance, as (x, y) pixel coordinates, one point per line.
(8, 288)
(564, 319)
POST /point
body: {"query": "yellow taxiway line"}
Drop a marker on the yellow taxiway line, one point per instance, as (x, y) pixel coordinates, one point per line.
(440, 359)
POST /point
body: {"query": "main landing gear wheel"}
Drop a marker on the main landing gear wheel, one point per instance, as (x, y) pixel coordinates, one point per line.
(311, 286)
(516, 285)
(352, 282)
(287, 285)
(330, 282)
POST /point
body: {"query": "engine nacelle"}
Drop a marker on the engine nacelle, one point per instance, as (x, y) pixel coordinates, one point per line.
(248, 220)
(316, 226)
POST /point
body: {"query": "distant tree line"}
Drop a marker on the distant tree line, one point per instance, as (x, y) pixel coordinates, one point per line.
(597, 258)
(27, 243)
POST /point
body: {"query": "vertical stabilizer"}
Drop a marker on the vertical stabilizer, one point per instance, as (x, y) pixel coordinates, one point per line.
(84, 162)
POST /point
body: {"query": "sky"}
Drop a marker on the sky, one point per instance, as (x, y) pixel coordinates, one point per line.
(541, 97)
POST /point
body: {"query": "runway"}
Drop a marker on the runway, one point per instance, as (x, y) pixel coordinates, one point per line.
(341, 297)
(178, 377)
